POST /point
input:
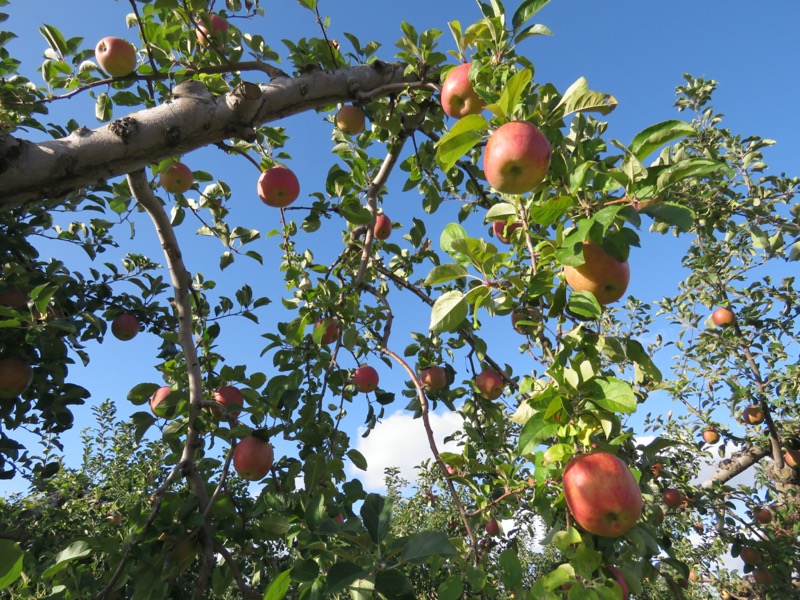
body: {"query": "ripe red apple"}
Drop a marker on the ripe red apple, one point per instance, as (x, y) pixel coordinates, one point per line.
(763, 516)
(503, 230)
(332, 330)
(459, 97)
(365, 378)
(218, 26)
(116, 56)
(693, 576)
(339, 518)
(177, 179)
(601, 274)
(125, 327)
(620, 580)
(383, 227)
(750, 555)
(229, 397)
(792, 457)
(493, 528)
(350, 120)
(490, 384)
(516, 158)
(16, 376)
(451, 471)
(158, 396)
(656, 469)
(253, 458)
(762, 576)
(278, 187)
(14, 299)
(753, 415)
(672, 497)
(722, 317)
(711, 435)
(602, 494)
(433, 378)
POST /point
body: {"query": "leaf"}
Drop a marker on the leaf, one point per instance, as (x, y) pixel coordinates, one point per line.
(691, 167)
(443, 273)
(551, 211)
(11, 557)
(343, 574)
(74, 551)
(451, 588)
(533, 433)
(514, 89)
(304, 570)
(584, 304)
(512, 569)
(500, 212)
(579, 98)
(537, 29)
(393, 585)
(102, 107)
(278, 587)
(613, 395)
(54, 39)
(452, 232)
(449, 311)
(525, 11)
(357, 459)
(563, 574)
(675, 215)
(651, 138)
(644, 364)
(461, 138)
(376, 512)
(355, 212)
(426, 544)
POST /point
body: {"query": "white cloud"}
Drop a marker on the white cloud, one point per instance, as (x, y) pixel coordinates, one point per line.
(400, 441)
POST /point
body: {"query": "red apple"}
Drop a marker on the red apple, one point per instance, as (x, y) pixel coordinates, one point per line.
(350, 120)
(459, 97)
(493, 528)
(278, 187)
(229, 397)
(490, 384)
(763, 516)
(125, 327)
(711, 435)
(177, 179)
(620, 580)
(762, 576)
(503, 230)
(656, 469)
(433, 378)
(601, 274)
(16, 376)
(115, 518)
(158, 396)
(332, 330)
(693, 576)
(14, 299)
(365, 379)
(253, 458)
(339, 518)
(672, 497)
(115, 56)
(722, 317)
(602, 494)
(218, 26)
(516, 158)
(753, 415)
(750, 555)
(451, 471)
(382, 228)
(792, 457)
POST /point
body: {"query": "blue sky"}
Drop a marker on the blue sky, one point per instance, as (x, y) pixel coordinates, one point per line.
(635, 50)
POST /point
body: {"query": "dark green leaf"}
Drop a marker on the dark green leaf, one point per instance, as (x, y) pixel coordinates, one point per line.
(584, 304)
(11, 557)
(614, 395)
(357, 459)
(343, 574)
(525, 11)
(423, 545)
(376, 512)
(394, 585)
(444, 273)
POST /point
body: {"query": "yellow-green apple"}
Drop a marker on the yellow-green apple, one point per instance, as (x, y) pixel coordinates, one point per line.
(459, 97)
(14, 299)
(177, 178)
(490, 383)
(433, 378)
(620, 579)
(125, 326)
(750, 555)
(762, 576)
(116, 56)
(526, 320)
(753, 415)
(365, 378)
(516, 158)
(16, 376)
(382, 228)
(763, 516)
(503, 230)
(278, 187)
(230, 398)
(332, 330)
(602, 494)
(601, 274)
(350, 119)
(722, 317)
(217, 26)
(792, 457)
(158, 396)
(493, 528)
(711, 435)
(672, 497)
(253, 458)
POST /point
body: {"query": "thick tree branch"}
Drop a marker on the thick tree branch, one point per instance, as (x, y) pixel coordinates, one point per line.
(736, 464)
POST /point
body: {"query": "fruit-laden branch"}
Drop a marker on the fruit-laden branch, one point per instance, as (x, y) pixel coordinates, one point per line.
(30, 172)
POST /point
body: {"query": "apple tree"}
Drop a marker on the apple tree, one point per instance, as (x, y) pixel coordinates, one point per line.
(525, 214)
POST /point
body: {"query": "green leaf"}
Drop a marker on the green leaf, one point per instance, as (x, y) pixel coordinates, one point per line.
(537, 29)
(563, 574)
(357, 459)
(579, 98)
(613, 395)
(551, 211)
(500, 212)
(278, 587)
(512, 569)
(452, 232)
(355, 212)
(11, 557)
(376, 512)
(525, 11)
(443, 273)
(394, 585)
(533, 433)
(102, 107)
(514, 90)
(54, 39)
(225, 260)
(426, 544)
(566, 537)
(449, 311)
(461, 138)
(451, 588)
(74, 551)
(690, 167)
(645, 366)
(584, 304)
(655, 136)
(675, 215)
(343, 574)
(304, 570)
(315, 511)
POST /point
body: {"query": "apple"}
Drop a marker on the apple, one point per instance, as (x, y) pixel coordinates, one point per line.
(218, 26)
(493, 528)
(763, 516)
(253, 458)
(16, 376)
(459, 97)
(177, 179)
(602, 494)
(503, 230)
(792, 457)
(451, 471)
(656, 469)
(693, 576)
(711, 435)
(125, 327)
(116, 56)
(350, 120)
(516, 158)
(382, 228)
(332, 330)
(753, 415)
(229, 397)
(672, 497)
(620, 580)
(750, 555)
(490, 384)
(526, 320)
(14, 299)
(762, 576)
(722, 317)
(158, 396)
(278, 187)
(339, 518)
(365, 378)
(433, 378)
(114, 518)
(601, 274)
(657, 514)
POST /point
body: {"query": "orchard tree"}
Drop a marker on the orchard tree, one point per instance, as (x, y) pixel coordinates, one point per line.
(542, 213)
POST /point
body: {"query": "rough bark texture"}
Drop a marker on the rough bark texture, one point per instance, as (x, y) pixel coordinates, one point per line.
(30, 172)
